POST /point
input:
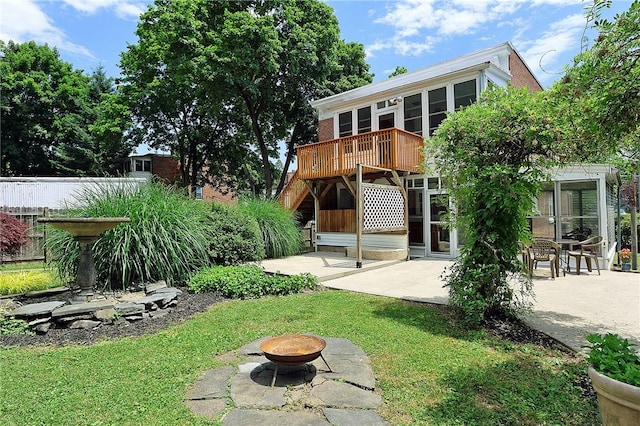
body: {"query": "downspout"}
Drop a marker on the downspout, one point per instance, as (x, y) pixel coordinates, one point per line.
(618, 221)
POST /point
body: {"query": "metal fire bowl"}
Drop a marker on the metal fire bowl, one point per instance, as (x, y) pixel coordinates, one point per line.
(293, 349)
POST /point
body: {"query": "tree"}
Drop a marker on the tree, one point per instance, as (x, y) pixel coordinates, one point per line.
(43, 101)
(399, 70)
(195, 89)
(601, 94)
(55, 120)
(492, 156)
(602, 87)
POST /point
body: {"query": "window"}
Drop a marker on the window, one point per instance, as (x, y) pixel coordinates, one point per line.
(142, 165)
(413, 113)
(437, 108)
(364, 120)
(464, 94)
(381, 105)
(198, 193)
(345, 127)
(579, 210)
(542, 224)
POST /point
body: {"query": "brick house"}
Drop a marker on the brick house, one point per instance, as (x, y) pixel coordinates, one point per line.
(383, 127)
(167, 169)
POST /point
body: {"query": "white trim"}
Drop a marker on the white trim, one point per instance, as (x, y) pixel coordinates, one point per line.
(494, 59)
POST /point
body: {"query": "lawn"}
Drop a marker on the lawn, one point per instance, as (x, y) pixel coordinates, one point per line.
(428, 369)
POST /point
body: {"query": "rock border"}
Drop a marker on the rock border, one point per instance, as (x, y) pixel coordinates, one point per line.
(156, 300)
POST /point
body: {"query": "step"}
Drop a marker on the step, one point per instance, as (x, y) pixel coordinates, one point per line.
(379, 253)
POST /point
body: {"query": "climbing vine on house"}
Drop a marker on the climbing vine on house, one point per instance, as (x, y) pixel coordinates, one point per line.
(492, 156)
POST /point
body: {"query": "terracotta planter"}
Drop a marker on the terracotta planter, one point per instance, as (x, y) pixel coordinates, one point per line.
(619, 402)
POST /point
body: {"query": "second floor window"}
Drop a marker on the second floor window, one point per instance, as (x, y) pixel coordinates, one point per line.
(364, 120)
(437, 108)
(345, 124)
(464, 94)
(413, 113)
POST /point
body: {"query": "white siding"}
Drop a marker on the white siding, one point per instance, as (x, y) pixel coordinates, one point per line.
(51, 192)
(337, 239)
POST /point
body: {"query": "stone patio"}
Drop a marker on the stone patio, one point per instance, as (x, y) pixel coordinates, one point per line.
(309, 394)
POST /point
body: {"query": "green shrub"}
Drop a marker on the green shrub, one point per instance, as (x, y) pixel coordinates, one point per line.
(14, 326)
(10, 325)
(166, 237)
(22, 282)
(235, 236)
(248, 282)
(614, 357)
(279, 226)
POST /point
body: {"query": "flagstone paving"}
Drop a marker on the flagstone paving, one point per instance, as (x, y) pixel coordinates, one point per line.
(309, 394)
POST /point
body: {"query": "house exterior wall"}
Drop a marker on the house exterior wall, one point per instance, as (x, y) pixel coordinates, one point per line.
(521, 75)
(166, 168)
(211, 194)
(341, 239)
(325, 129)
(499, 65)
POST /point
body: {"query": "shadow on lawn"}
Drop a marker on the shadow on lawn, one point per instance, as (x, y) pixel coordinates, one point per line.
(519, 391)
(429, 317)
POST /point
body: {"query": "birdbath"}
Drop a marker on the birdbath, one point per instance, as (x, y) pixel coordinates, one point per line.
(85, 231)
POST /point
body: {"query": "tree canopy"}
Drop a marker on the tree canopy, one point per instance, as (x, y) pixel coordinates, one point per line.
(47, 110)
(601, 90)
(222, 83)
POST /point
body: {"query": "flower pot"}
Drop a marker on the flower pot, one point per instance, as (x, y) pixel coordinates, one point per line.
(619, 402)
(625, 266)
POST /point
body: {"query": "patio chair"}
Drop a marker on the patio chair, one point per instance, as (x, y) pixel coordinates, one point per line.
(543, 250)
(589, 249)
(524, 253)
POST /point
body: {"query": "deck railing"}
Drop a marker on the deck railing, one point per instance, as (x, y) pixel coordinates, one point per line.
(293, 192)
(389, 148)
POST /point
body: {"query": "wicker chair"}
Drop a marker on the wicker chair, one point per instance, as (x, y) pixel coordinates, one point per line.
(543, 250)
(589, 249)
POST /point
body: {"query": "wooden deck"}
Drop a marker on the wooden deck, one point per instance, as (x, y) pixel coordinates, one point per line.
(390, 148)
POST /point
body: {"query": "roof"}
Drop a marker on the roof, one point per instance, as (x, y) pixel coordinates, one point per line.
(495, 58)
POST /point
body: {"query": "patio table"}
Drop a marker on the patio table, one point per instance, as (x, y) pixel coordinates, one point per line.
(570, 245)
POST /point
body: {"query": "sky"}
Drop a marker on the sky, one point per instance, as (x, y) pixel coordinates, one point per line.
(409, 33)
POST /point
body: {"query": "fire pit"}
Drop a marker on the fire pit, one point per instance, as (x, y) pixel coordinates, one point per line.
(292, 350)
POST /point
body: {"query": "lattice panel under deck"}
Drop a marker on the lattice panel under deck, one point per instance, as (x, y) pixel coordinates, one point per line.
(383, 207)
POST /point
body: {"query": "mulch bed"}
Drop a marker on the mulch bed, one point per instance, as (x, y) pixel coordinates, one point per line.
(188, 305)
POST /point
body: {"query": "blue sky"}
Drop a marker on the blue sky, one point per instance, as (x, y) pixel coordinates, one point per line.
(409, 33)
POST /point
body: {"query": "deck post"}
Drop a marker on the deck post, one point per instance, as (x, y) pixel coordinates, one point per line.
(359, 215)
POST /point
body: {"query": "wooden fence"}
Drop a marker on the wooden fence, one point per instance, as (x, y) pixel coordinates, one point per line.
(34, 248)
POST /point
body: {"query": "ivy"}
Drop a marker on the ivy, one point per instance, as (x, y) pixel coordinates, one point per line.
(492, 157)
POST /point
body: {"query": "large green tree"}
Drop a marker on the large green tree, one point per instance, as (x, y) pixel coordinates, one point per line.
(601, 89)
(56, 120)
(43, 102)
(220, 84)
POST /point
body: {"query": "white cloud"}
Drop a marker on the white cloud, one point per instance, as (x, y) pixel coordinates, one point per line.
(23, 20)
(412, 18)
(123, 8)
(544, 52)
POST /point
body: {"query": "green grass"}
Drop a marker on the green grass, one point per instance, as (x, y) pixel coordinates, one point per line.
(428, 369)
(24, 266)
(29, 280)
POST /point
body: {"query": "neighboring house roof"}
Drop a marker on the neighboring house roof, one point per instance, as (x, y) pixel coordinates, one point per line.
(494, 61)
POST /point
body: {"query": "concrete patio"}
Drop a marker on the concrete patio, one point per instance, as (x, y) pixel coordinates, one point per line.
(566, 308)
